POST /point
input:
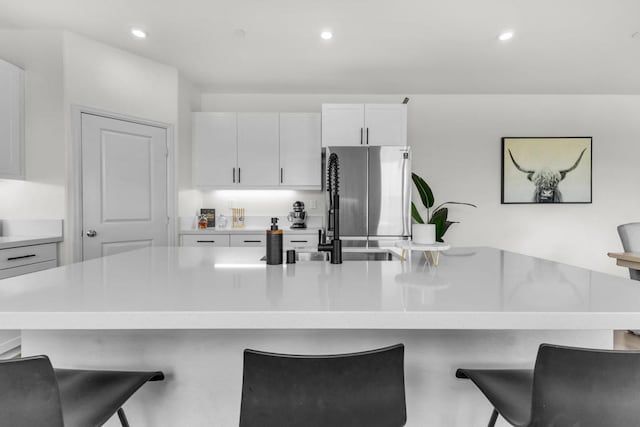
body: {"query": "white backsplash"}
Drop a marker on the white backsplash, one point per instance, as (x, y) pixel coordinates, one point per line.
(259, 222)
(262, 202)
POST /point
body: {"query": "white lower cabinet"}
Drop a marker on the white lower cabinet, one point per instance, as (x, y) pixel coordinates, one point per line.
(248, 240)
(206, 240)
(300, 240)
(15, 262)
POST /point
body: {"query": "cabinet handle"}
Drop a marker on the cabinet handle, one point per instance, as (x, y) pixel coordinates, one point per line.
(281, 175)
(238, 175)
(13, 258)
(299, 241)
(205, 241)
(253, 241)
(367, 136)
(234, 175)
(361, 130)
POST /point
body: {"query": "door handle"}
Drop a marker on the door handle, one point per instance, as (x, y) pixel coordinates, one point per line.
(367, 136)
(361, 130)
(234, 175)
(92, 233)
(281, 175)
(238, 175)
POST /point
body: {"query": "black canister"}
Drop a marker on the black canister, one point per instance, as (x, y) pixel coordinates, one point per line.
(274, 244)
(291, 256)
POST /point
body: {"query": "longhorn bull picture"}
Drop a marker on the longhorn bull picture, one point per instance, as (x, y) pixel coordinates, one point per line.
(546, 180)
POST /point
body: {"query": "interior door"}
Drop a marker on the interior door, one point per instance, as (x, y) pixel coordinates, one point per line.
(300, 151)
(214, 149)
(342, 124)
(124, 186)
(258, 149)
(385, 124)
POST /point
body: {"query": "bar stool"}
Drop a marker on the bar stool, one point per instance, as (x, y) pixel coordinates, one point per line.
(357, 389)
(33, 394)
(568, 387)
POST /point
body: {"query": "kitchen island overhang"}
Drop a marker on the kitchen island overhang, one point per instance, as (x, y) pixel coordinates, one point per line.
(192, 311)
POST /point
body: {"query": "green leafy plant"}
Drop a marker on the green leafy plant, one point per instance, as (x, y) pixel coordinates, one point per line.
(440, 213)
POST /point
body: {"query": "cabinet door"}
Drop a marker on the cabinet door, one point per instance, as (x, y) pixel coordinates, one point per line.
(342, 124)
(205, 240)
(300, 150)
(11, 121)
(236, 240)
(385, 124)
(258, 149)
(298, 240)
(214, 149)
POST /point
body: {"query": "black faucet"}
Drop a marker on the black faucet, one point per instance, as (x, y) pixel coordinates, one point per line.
(335, 247)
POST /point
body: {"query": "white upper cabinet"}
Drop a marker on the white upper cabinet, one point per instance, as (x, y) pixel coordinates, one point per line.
(214, 149)
(300, 150)
(385, 124)
(258, 149)
(11, 121)
(342, 124)
(364, 124)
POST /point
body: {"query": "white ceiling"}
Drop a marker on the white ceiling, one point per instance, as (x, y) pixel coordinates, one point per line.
(380, 46)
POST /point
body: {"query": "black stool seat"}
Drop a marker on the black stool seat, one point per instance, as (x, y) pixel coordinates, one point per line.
(33, 394)
(569, 387)
(508, 390)
(90, 398)
(344, 390)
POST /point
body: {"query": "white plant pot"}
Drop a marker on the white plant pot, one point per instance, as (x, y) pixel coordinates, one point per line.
(423, 234)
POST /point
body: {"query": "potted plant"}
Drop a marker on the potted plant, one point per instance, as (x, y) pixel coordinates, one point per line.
(437, 222)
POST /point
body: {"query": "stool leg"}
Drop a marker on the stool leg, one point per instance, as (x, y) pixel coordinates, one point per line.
(123, 418)
(494, 418)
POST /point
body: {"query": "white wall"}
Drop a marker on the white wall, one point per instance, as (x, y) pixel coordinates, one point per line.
(456, 141)
(41, 195)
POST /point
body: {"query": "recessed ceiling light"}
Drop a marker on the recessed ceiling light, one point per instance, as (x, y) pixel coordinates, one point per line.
(139, 33)
(326, 35)
(507, 35)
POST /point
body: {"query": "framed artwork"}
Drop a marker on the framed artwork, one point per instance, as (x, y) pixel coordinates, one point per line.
(210, 214)
(546, 170)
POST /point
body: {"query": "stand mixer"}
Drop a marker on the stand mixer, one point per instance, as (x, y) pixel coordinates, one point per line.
(298, 217)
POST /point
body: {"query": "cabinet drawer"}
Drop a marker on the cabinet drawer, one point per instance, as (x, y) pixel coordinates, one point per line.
(30, 268)
(248, 239)
(205, 240)
(300, 240)
(25, 255)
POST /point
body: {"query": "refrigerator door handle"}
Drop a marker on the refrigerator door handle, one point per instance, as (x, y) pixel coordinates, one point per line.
(406, 195)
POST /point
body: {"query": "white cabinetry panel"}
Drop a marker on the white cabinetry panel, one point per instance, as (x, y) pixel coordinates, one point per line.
(342, 124)
(248, 239)
(300, 150)
(364, 124)
(214, 149)
(11, 121)
(296, 240)
(258, 149)
(385, 124)
(206, 240)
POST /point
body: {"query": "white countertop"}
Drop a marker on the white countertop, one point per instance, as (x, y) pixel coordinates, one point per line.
(17, 241)
(249, 230)
(229, 288)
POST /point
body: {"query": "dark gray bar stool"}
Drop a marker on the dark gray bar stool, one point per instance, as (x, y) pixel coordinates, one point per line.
(358, 389)
(569, 387)
(33, 394)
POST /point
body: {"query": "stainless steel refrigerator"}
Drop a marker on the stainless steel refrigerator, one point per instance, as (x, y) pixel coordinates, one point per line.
(375, 194)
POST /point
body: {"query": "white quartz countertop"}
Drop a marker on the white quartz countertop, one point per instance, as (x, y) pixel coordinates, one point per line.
(249, 230)
(229, 288)
(17, 241)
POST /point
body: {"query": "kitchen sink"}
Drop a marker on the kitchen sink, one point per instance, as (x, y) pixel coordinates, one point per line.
(370, 255)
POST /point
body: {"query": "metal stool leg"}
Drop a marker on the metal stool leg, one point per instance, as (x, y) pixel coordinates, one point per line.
(123, 418)
(494, 418)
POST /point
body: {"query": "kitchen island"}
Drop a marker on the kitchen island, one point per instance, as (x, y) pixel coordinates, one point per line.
(191, 311)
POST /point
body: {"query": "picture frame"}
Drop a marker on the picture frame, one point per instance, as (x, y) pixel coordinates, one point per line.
(210, 214)
(547, 170)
